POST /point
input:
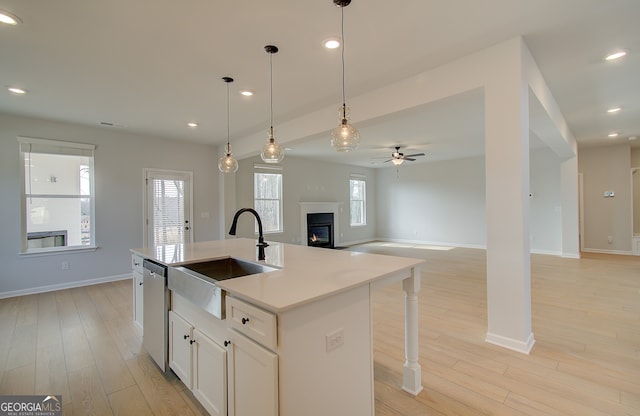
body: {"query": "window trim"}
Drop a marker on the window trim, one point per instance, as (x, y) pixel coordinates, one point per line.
(360, 178)
(270, 170)
(55, 147)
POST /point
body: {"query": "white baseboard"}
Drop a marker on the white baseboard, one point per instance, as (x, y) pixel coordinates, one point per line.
(62, 286)
(431, 243)
(546, 252)
(595, 250)
(353, 243)
(510, 343)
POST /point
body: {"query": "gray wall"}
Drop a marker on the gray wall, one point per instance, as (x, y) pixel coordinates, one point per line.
(306, 180)
(119, 160)
(635, 163)
(440, 203)
(606, 169)
(444, 202)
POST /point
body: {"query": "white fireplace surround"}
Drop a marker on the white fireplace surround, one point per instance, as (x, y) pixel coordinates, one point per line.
(316, 208)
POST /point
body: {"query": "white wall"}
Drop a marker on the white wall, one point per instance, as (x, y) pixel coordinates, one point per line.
(606, 169)
(306, 180)
(444, 202)
(545, 233)
(635, 163)
(440, 203)
(119, 160)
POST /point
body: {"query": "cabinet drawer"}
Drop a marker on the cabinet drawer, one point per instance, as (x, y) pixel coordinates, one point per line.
(252, 321)
(136, 263)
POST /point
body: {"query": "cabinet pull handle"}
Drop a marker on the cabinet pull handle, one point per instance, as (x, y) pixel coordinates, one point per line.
(140, 283)
(227, 343)
(192, 341)
(244, 321)
(186, 337)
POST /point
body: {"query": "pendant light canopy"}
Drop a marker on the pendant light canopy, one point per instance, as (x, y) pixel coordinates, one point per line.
(227, 163)
(345, 137)
(272, 152)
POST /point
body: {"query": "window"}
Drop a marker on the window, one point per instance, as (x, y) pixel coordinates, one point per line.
(267, 195)
(57, 195)
(357, 201)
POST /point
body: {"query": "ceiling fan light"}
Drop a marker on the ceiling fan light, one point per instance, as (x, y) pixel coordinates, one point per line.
(397, 162)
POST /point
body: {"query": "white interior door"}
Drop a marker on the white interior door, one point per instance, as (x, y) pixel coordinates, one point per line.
(168, 209)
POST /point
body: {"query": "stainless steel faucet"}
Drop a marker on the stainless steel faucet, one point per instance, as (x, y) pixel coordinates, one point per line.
(261, 243)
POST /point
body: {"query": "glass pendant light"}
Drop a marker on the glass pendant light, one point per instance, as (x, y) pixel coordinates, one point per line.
(228, 163)
(345, 137)
(272, 152)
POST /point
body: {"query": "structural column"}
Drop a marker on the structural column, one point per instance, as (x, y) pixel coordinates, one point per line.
(507, 203)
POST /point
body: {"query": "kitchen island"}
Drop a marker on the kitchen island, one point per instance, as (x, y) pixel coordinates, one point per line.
(298, 339)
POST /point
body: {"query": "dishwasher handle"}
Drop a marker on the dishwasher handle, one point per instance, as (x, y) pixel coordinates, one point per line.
(155, 269)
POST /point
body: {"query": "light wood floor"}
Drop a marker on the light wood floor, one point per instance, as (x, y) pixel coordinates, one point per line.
(82, 344)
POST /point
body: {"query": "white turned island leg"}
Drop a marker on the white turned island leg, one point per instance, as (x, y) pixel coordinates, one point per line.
(412, 372)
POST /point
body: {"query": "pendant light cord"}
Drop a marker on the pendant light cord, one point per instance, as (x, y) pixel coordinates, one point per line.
(228, 120)
(344, 101)
(271, 87)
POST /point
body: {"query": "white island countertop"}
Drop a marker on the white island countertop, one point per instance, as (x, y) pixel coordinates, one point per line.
(305, 273)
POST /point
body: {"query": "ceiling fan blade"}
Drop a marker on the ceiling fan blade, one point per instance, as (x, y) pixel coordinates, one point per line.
(388, 160)
(415, 154)
(408, 158)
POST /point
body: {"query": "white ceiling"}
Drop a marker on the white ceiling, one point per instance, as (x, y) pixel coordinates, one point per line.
(149, 67)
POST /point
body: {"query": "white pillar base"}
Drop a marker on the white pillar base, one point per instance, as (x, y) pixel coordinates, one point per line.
(510, 343)
(412, 379)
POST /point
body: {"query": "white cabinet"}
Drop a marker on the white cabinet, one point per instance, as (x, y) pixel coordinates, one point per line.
(253, 378)
(194, 356)
(180, 358)
(253, 367)
(209, 374)
(136, 266)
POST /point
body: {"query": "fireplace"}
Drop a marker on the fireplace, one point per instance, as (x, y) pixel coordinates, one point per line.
(320, 229)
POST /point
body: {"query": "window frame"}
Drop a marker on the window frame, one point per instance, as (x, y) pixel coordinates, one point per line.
(270, 170)
(30, 145)
(362, 221)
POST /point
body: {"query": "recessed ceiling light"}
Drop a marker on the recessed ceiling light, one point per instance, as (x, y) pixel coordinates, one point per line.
(247, 93)
(614, 134)
(9, 18)
(192, 124)
(16, 90)
(331, 43)
(615, 55)
(633, 138)
(614, 110)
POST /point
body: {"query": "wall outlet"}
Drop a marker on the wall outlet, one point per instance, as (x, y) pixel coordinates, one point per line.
(610, 239)
(65, 265)
(335, 339)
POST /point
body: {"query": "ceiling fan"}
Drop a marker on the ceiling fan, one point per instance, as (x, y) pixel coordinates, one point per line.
(398, 158)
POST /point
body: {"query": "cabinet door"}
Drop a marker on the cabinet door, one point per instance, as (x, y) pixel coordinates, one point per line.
(210, 374)
(137, 298)
(180, 358)
(253, 378)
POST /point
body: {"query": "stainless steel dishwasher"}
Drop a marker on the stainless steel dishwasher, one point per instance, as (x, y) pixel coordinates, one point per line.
(156, 312)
